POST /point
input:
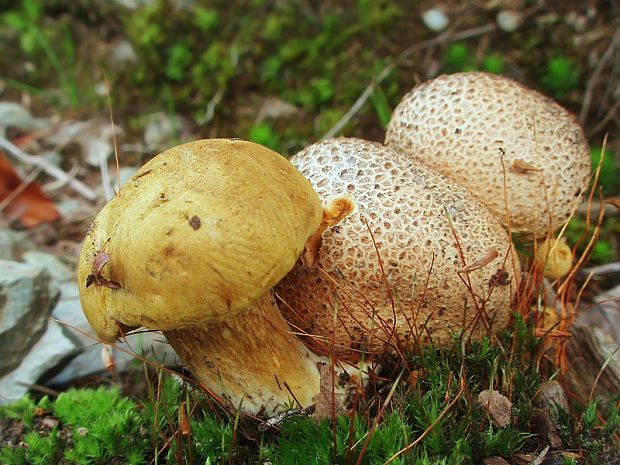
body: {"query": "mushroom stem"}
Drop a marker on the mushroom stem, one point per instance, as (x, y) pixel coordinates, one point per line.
(251, 360)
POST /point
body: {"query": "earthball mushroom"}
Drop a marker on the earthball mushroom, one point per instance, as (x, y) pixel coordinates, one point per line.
(519, 152)
(192, 246)
(418, 259)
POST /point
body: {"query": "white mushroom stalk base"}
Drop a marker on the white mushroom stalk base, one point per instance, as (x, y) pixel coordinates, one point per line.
(252, 360)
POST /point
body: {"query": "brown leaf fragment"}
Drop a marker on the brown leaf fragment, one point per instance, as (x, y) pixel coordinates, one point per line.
(23, 200)
(497, 406)
(520, 166)
(328, 402)
(481, 262)
(96, 277)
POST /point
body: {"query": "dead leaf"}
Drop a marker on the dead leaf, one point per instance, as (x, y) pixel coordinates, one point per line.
(96, 277)
(25, 201)
(520, 166)
(481, 262)
(328, 404)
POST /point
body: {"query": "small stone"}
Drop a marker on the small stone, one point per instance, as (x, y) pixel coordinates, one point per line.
(509, 20)
(27, 297)
(497, 406)
(435, 19)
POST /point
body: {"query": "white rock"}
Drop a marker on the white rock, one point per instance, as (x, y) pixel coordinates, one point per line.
(435, 19)
(48, 351)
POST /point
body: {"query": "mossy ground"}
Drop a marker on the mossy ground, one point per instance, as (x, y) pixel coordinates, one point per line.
(434, 407)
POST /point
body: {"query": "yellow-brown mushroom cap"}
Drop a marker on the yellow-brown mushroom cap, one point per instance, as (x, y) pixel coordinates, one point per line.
(408, 216)
(197, 234)
(509, 145)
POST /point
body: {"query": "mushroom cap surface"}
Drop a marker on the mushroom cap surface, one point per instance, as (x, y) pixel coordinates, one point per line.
(463, 124)
(197, 234)
(554, 257)
(412, 214)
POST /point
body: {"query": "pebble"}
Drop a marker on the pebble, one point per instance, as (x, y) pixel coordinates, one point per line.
(435, 19)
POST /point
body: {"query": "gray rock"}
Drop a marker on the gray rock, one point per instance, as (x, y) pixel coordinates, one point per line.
(151, 345)
(27, 296)
(56, 268)
(47, 352)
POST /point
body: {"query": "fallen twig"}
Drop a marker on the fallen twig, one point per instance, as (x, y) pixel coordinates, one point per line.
(48, 167)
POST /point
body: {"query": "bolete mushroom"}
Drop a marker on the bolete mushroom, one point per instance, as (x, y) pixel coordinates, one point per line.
(523, 155)
(418, 259)
(192, 246)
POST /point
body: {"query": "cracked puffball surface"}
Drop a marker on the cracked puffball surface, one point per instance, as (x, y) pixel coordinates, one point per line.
(196, 235)
(408, 216)
(477, 129)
